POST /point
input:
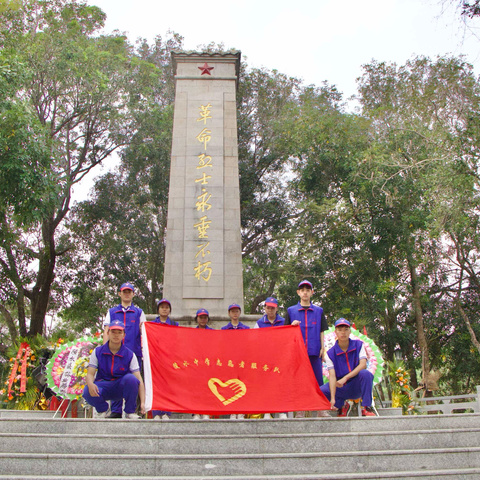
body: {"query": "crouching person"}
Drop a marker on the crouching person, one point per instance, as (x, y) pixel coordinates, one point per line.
(117, 375)
(348, 377)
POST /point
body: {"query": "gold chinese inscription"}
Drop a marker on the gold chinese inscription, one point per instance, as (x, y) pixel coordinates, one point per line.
(202, 270)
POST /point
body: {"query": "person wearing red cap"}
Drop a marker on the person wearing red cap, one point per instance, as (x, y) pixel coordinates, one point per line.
(164, 308)
(348, 376)
(113, 373)
(234, 311)
(313, 323)
(132, 318)
(271, 319)
(202, 317)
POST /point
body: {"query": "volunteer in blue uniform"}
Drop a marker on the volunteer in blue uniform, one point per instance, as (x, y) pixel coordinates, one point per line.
(164, 309)
(132, 318)
(313, 323)
(234, 311)
(202, 318)
(348, 377)
(271, 317)
(113, 373)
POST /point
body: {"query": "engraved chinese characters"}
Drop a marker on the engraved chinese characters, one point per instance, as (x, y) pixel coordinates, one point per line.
(203, 269)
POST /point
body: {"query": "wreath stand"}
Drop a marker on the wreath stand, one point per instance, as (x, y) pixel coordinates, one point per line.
(63, 406)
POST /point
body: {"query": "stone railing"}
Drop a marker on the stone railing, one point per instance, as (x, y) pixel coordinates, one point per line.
(469, 403)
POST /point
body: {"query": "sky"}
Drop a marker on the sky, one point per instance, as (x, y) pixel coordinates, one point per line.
(313, 40)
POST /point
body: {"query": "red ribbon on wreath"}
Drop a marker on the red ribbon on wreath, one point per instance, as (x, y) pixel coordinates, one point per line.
(23, 371)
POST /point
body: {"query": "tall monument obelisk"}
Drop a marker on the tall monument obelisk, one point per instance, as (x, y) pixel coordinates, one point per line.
(203, 260)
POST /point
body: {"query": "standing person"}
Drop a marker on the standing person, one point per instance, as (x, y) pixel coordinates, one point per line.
(348, 377)
(234, 311)
(113, 373)
(271, 319)
(164, 309)
(202, 318)
(313, 323)
(132, 318)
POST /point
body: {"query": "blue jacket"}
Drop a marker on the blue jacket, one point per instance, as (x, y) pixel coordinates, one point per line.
(206, 327)
(264, 322)
(345, 362)
(168, 322)
(131, 321)
(240, 326)
(312, 323)
(112, 366)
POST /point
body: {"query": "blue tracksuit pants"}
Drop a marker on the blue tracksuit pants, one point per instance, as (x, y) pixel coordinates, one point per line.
(360, 386)
(124, 388)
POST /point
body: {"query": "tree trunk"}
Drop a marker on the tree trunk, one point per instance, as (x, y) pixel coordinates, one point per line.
(11, 270)
(40, 294)
(10, 323)
(417, 308)
(473, 337)
(22, 323)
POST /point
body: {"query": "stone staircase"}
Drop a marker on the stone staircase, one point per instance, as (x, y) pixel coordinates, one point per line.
(412, 447)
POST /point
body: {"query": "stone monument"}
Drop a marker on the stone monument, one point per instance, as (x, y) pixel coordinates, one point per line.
(203, 259)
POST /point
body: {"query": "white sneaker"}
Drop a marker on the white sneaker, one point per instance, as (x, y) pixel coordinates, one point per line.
(165, 417)
(323, 413)
(156, 417)
(300, 415)
(206, 417)
(196, 416)
(283, 416)
(233, 416)
(132, 416)
(101, 415)
(267, 415)
(240, 416)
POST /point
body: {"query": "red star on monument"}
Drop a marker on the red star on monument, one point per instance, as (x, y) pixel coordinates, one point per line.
(206, 69)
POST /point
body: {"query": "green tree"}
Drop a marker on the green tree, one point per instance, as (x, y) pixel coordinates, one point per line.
(120, 231)
(84, 91)
(374, 189)
(420, 112)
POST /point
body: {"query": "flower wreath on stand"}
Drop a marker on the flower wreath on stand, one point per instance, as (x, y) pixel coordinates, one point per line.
(67, 369)
(20, 390)
(401, 389)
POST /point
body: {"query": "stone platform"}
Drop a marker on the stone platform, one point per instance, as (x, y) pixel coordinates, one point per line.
(405, 447)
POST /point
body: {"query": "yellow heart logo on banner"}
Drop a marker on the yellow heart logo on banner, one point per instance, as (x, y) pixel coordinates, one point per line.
(237, 387)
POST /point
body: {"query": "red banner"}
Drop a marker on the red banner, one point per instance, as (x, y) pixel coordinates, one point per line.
(263, 370)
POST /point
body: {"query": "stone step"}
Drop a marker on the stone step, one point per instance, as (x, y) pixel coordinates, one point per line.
(237, 427)
(424, 446)
(460, 474)
(128, 465)
(239, 443)
(27, 414)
